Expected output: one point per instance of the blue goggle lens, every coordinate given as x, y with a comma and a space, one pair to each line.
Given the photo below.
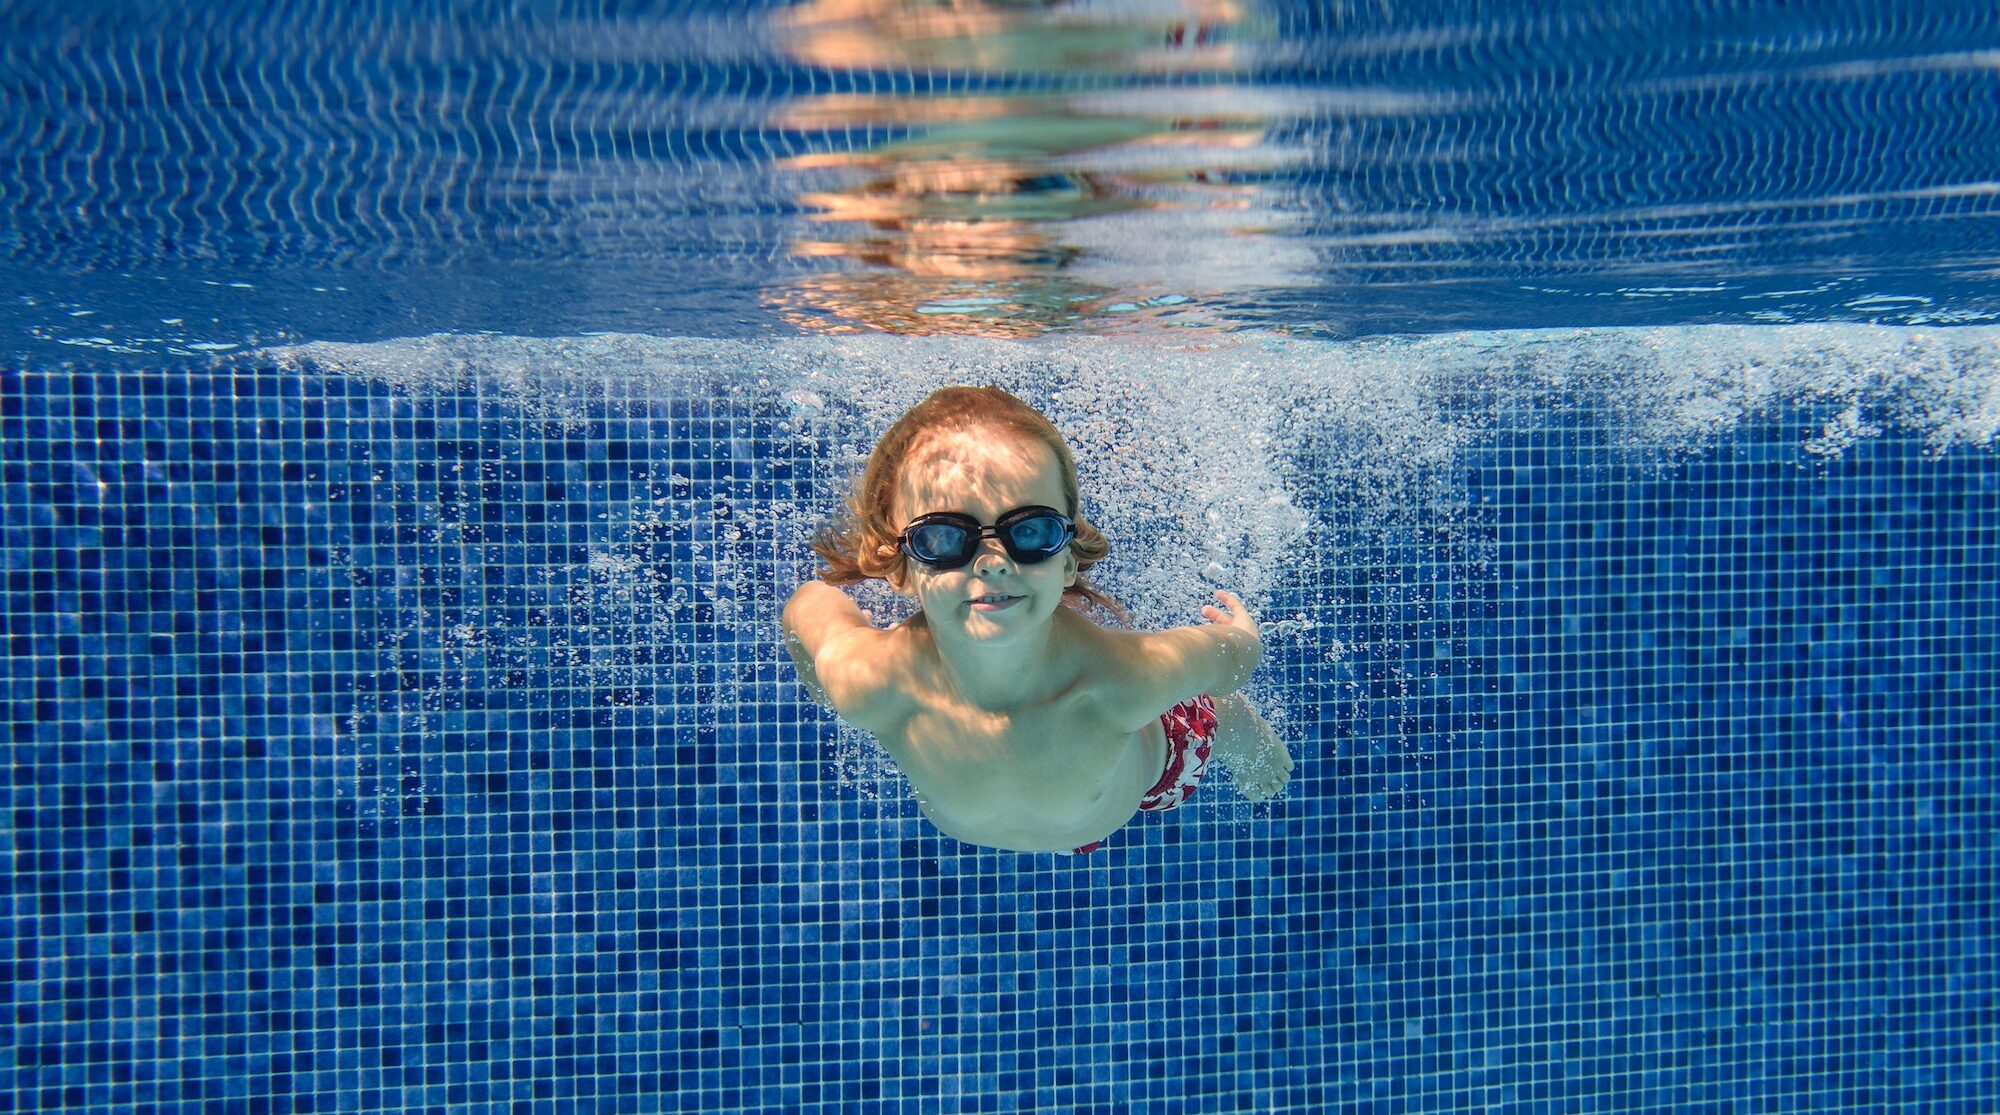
948, 540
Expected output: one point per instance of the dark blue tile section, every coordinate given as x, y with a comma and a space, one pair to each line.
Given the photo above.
369, 752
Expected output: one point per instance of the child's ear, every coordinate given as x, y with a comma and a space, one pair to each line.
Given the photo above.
1069, 569
898, 575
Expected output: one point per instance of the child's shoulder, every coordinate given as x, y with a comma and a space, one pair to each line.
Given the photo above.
868, 674
1134, 676
1084, 629
1108, 652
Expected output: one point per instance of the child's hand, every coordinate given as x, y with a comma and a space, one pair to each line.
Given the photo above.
1234, 616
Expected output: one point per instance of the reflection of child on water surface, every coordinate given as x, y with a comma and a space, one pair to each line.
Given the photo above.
1021, 723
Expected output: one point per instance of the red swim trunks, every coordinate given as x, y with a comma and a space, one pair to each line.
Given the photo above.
1190, 729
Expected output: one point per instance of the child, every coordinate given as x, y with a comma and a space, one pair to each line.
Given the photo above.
1021, 723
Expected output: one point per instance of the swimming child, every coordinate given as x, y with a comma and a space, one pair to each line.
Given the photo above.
1022, 723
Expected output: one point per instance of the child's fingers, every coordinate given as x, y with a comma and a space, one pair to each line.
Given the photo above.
1231, 612
1224, 614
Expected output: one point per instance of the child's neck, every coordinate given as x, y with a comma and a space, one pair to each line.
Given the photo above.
996, 677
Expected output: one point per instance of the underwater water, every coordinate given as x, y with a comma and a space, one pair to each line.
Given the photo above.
413, 416
402, 725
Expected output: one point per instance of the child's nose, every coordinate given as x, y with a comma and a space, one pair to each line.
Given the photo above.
992, 555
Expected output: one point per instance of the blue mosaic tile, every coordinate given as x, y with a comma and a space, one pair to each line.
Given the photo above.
374, 752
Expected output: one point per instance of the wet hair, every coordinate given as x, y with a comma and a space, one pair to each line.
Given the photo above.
861, 544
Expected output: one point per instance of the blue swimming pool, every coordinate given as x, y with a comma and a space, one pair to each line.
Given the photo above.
412, 417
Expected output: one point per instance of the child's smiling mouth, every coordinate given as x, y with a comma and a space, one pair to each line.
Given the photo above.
994, 602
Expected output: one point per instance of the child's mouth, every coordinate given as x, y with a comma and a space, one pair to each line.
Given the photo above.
994, 602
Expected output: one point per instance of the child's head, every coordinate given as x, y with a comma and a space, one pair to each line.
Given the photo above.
863, 545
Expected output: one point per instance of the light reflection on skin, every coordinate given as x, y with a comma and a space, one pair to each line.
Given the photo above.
984, 473
969, 219
1028, 727
975, 473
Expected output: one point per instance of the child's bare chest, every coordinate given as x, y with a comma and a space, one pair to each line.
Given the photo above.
1042, 768
1057, 733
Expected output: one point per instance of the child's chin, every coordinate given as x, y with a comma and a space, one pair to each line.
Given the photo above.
1004, 621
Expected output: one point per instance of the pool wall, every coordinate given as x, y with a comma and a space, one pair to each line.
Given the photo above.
373, 748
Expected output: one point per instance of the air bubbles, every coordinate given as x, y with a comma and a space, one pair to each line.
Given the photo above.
1254, 463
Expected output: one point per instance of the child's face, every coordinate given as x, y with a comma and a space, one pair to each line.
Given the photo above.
984, 473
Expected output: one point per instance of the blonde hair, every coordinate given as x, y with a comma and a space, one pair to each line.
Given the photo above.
861, 545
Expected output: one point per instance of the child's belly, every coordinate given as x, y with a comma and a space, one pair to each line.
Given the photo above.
1036, 794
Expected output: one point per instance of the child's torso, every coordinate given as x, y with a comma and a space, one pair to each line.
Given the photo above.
1044, 775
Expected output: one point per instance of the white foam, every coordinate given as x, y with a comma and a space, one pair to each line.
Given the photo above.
1202, 456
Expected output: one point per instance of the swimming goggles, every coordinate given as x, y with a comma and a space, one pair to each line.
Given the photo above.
946, 539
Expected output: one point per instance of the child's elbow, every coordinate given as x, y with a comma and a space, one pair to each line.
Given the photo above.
793, 617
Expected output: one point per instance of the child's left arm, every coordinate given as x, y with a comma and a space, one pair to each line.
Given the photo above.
1160, 669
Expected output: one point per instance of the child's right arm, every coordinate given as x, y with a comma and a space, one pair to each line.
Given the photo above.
840, 655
